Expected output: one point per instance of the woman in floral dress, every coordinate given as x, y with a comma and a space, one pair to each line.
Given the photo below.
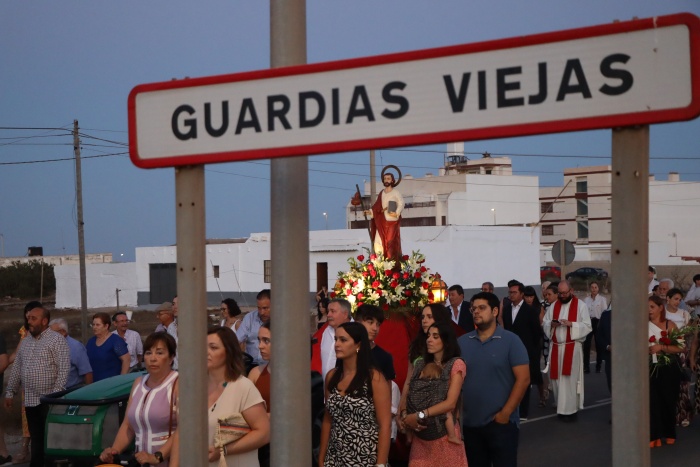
356, 427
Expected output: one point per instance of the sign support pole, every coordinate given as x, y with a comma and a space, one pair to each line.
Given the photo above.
290, 387
630, 259
192, 319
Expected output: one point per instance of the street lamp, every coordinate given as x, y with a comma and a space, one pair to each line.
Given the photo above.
325, 214
493, 210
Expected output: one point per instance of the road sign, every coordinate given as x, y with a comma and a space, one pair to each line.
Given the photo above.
614, 75
563, 252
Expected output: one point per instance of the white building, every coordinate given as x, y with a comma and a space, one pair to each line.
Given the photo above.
465, 192
580, 211
239, 268
58, 260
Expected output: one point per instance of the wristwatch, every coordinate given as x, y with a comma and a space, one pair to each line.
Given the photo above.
159, 456
422, 416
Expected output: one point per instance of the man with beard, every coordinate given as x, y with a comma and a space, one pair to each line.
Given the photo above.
386, 219
567, 322
41, 367
497, 377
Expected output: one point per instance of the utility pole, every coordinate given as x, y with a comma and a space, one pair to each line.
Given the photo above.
81, 233
372, 176
289, 180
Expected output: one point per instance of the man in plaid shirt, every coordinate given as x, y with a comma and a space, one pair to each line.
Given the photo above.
41, 366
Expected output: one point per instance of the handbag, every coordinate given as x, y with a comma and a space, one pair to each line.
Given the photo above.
228, 430
424, 393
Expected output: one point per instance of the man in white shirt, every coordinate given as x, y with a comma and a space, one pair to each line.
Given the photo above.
596, 304
132, 338
651, 275
338, 313
459, 308
693, 297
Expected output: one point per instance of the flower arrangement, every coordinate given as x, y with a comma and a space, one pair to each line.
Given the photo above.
674, 337
374, 280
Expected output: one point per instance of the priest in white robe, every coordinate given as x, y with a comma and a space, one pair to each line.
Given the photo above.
567, 323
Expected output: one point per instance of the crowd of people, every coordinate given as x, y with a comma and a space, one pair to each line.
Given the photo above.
470, 368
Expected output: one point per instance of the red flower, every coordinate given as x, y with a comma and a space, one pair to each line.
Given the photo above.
359, 304
341, 282
652, 339
373, 273
365, 274
333, 294
361, 258
360, 296
372, 256
404, 257
396, 275
417, 275
354, 284
379, 292
375, 284
423, 269
403, 302
408, 293
664, 333
425, 285
406, 275
421, 261
370, 266
385, 307
665, 341
393, 284
387, 272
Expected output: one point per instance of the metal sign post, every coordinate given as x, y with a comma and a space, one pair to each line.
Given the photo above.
192, 318
630, 259
291, 386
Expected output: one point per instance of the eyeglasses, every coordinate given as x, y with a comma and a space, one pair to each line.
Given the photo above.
568, 292
479, 308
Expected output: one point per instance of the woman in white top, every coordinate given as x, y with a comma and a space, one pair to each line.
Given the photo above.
684, 410
230, 314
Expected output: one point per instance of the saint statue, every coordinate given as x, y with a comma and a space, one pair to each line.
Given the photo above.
385, 217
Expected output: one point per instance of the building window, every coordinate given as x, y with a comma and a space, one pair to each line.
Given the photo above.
581, 185
216, 272
582, 207
546, 207
267, 271
547, 230
582, 229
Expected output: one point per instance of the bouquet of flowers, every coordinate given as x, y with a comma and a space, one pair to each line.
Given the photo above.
374, 280
674, 337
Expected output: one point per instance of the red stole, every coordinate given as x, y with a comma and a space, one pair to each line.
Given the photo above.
568, 345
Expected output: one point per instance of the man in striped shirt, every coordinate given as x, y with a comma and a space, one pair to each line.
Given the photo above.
41, 367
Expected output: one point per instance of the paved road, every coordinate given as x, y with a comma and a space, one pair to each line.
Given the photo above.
546, 441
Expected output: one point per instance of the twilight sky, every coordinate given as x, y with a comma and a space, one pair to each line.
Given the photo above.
67, 60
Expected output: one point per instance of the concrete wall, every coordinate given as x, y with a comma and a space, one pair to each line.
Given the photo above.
461, 254
102, 282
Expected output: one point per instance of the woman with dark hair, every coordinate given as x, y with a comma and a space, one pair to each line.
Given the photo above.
152, 407
664, 380
536, 376
432, 313
357, 424
229, 393
434, 403
230, 314
107, 352
322, 312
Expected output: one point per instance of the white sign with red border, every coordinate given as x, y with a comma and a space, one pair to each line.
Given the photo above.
632, 73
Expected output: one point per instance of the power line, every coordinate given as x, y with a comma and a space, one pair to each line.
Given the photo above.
63, 159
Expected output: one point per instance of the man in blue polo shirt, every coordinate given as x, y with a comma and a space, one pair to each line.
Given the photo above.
498, 374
